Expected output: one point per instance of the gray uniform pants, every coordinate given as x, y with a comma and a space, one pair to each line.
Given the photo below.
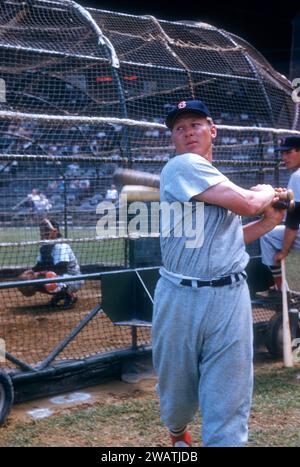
202, 353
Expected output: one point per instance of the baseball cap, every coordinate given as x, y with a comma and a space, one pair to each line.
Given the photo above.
183, 107
47, 225
290, 142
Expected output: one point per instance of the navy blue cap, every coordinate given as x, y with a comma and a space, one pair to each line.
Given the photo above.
290, 142
183, 107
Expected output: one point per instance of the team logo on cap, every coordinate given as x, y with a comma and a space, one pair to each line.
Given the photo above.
181, 105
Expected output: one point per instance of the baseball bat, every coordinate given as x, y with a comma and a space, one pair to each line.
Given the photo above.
287, 341
286, 200
139, 193
136, 177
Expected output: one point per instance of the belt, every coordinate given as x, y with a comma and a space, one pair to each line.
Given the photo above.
227, 280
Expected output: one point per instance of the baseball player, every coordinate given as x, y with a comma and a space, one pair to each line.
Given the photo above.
275, 245
202, 321
55, 259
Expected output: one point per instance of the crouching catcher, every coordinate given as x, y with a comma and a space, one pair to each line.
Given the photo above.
54, 259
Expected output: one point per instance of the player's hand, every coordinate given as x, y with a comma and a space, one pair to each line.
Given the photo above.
263, 187
275, 216
280, 190
278, 198
29, 274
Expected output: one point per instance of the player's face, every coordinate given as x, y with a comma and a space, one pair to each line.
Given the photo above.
291, 159
47, 234
193, 133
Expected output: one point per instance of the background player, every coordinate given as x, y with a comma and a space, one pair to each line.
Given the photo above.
275, 245
54, 259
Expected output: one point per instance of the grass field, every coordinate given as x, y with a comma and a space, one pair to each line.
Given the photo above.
23, 234
107, 252
130, 416
293, 270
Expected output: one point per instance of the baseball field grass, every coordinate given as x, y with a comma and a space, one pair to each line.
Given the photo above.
106, 252
127, 415
293, 270
94, 251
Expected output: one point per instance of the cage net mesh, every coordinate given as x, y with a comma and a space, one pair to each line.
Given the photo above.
83, 92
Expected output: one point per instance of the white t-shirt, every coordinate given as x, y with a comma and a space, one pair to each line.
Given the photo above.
294, 184
111, 195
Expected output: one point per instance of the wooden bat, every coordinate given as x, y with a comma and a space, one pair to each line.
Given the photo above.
139, 193
287, 341
286, 200
136, 177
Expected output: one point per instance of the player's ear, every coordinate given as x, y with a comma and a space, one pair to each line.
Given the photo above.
213, 131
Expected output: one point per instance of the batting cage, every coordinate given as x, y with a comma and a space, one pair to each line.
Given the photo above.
83, 96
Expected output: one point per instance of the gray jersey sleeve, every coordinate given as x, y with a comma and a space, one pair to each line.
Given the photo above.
188, 175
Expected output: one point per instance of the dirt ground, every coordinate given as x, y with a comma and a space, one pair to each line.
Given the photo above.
116, 414
106, 393
31, 330
110, 430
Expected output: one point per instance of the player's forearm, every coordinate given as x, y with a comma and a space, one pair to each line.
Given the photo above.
239, 200
288, 239
252, 203
259, 200
257, 229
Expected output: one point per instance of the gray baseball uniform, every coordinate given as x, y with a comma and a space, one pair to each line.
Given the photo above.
202, 336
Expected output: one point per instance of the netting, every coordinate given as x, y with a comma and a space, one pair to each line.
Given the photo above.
84, 92
32, 331
61, 59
